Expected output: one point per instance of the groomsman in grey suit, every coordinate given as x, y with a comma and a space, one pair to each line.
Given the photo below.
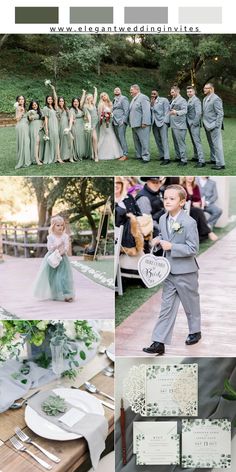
194, 115
140, 122
120, 119
160, 108
178, 124
213, 123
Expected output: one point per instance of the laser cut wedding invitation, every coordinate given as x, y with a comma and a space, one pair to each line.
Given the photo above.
171, 390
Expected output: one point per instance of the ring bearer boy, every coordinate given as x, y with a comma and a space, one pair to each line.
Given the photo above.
179, 239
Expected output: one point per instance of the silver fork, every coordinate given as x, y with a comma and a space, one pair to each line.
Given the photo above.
21, 435
19, 446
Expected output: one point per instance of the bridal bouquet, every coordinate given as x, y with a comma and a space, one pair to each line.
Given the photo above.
105, 117
78, 338
32, 115
47, 82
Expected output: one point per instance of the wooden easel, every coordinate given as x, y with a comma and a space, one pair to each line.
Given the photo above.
102, 234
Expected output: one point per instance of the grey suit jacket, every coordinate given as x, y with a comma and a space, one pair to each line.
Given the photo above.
194, 112
120, 110
185, 243
209, 191
212, 112
180, 105
160, 111
139, 111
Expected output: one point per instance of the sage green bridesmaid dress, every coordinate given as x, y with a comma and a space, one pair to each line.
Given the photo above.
65, 140
22, 143
88, 134
35, 132
78, 133
51, 146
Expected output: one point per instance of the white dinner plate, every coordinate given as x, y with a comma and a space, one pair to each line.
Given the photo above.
111, 352
48, 430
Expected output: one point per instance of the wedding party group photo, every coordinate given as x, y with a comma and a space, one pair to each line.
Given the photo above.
175, 242
56, 247
114, 104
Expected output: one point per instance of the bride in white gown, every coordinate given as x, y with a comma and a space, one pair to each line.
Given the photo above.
108, 145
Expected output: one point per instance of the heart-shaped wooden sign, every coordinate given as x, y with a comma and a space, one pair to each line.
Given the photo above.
153, 270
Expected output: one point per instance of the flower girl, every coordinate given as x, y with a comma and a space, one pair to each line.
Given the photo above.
55, 279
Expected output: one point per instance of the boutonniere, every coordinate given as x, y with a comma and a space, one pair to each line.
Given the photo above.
177, 228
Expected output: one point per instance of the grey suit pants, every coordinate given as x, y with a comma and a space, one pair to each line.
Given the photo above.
161, 138
214, 138
141, 138
215, 212
194, 132
178, 288
120, 132
179, 136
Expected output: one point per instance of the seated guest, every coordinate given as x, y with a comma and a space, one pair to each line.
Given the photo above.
196, 211
209, 196
126, 212
149, 200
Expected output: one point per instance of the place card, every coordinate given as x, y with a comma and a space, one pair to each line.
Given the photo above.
72, 417
171, 390
206, 443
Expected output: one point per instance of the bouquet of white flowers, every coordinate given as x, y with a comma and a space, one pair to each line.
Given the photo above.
47, 82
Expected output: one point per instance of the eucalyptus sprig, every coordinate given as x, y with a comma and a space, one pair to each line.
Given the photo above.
230, 391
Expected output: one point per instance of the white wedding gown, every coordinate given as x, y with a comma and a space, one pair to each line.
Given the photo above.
108, 145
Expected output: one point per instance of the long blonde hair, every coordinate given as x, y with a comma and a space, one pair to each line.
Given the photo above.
184, 183
102, 102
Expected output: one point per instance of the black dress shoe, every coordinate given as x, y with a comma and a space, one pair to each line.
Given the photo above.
155, 348
200, 164
160, 158
193, 338
181, 163
210, 162
165, 162
176, 159
194, 159
217, 167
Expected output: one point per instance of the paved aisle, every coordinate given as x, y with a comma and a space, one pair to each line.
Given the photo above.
93, 301
218, 306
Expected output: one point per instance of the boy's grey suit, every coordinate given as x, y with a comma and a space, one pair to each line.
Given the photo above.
140, 114
160, 120
213, 122
178, 126
194, 115
120, 120
181, 285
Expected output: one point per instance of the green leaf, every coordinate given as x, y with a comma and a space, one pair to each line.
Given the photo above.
228, 396
82, 355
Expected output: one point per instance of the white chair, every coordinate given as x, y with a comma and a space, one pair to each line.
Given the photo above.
117, 271
106, 464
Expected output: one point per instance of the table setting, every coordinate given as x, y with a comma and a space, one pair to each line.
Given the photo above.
52, 418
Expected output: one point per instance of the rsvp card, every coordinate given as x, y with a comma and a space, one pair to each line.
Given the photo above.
171, 390
157, 449
152, 428
206, 443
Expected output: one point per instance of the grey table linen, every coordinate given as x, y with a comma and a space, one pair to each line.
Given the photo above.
12, 389
93, 427
212, 373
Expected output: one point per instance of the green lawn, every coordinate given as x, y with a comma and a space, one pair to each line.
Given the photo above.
135, 295
130, 167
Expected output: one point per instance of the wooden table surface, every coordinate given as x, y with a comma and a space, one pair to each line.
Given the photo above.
72, 453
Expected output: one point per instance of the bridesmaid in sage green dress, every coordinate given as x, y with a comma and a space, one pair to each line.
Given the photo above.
77, 128
65, 136
22, 134
35, 131
51, 148
90, 111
